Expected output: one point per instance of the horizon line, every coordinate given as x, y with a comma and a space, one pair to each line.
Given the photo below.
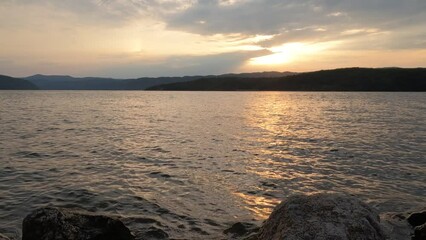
202, 75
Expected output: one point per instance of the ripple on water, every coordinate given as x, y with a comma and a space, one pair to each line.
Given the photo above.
189, 165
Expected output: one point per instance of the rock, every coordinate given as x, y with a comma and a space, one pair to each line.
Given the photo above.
241, 229
322, 216
61, 224
155, 233
417, 219
420, 232
396, 226
405, 225
3, 237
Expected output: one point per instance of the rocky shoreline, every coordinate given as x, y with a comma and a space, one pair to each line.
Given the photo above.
318, 216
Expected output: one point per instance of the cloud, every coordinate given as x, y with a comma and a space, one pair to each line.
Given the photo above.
274, 15
297, 19
185, 35
302, 20
179, 65
107, 12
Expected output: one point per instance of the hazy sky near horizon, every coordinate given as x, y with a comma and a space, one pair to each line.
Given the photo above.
135, 38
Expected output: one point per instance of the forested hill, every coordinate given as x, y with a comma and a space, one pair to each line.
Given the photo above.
58, 82
347, 79
10, 83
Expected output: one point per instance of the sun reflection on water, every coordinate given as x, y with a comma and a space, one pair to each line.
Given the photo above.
273, 115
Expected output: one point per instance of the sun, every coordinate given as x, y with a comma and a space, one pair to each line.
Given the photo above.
280, 55
292, 52
272, 59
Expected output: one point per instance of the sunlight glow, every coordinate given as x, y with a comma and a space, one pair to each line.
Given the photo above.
360, 30
228, 3
281, 54
272, 59
290, 52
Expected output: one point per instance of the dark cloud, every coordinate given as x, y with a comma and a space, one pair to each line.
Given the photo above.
245, 16
275, 15
290, 20
181, 65
301, 20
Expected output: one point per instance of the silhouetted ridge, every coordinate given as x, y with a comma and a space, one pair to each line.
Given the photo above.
10, 83
347, 79
58, 82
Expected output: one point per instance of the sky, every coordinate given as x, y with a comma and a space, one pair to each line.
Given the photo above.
136, 38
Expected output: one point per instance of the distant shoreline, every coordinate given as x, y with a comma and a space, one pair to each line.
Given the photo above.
336, 80
223, 91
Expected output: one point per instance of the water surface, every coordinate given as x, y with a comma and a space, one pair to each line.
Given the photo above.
193, 163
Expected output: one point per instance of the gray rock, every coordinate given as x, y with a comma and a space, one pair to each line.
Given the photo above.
61, 224
154, 233
396, 226
322, 217
420, 232
405, 225
241, 229
417, 218
3, 237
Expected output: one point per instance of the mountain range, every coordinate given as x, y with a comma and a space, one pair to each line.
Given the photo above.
10, 83
57, 82
347, 79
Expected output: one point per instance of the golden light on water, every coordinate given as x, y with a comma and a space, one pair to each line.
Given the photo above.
261, 207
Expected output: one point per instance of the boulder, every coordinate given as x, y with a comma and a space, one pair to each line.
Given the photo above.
405, 225
241, 229
154, 233
420, 232
417, 218
418, 221
396, 226
61, 224
322, 216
